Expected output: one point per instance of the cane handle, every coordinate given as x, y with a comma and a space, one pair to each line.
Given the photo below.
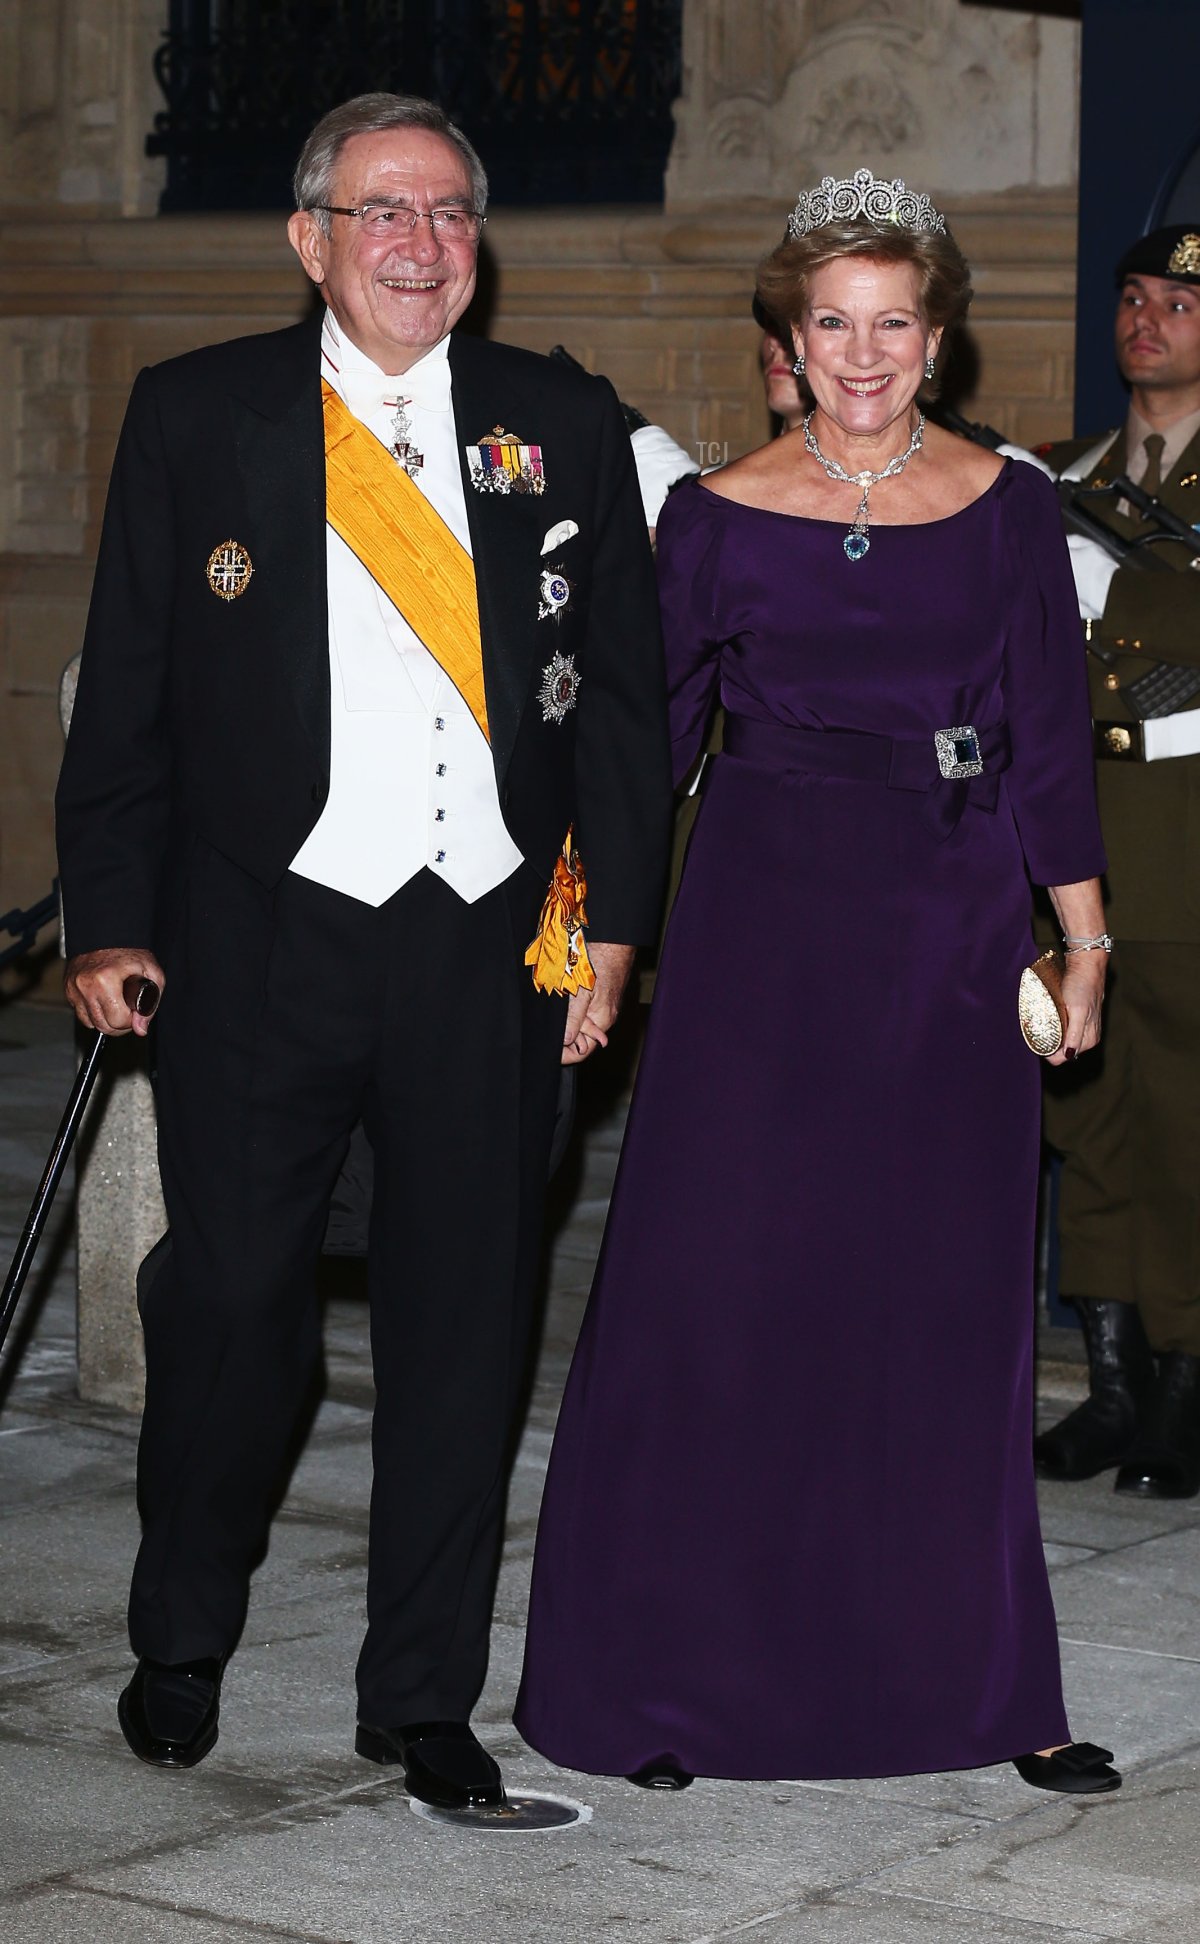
141, 996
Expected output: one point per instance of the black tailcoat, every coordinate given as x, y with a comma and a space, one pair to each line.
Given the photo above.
200, 717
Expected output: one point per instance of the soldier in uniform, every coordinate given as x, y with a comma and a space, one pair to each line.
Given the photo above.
1128, 1126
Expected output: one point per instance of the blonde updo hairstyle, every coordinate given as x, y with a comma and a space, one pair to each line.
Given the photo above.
785, 277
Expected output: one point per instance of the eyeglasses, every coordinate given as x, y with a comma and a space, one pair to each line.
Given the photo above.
380, 220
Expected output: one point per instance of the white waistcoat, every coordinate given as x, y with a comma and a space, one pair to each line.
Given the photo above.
411, 778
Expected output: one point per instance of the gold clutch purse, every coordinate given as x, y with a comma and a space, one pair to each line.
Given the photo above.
1040, 1005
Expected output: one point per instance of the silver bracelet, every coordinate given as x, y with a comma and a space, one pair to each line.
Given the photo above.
1102, 943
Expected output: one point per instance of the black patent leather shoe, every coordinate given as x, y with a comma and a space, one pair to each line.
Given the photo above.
443, 1763
1165, 1460
663, 1772
168, 1713
1079, 1769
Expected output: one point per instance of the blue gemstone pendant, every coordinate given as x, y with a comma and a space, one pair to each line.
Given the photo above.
856, 544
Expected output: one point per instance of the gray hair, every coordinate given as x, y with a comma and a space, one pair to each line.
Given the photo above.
371, 114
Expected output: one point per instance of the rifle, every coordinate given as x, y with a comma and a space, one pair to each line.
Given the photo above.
1077, 516
1169, 525
1166, 686
25, 925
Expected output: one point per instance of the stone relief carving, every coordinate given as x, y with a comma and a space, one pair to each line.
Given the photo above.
735, 145
975, 99
867, 113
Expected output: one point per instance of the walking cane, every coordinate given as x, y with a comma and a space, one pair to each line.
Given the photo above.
141, 996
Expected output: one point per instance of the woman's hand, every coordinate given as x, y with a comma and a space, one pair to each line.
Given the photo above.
1080, 910
1083, 996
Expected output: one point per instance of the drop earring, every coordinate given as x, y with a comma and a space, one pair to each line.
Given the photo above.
798, 367
930, 371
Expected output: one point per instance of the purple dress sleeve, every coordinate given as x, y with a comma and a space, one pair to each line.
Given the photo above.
688, 547
1052, 781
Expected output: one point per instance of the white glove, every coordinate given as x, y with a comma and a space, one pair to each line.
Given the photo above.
1093, 569
1030, 459
660, 462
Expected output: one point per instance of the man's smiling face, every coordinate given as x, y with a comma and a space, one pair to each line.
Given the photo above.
396, 296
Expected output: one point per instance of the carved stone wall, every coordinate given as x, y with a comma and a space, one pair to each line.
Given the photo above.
77, 96
960, 99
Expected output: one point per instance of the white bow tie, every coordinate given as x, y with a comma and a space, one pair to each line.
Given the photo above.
426, 386
367, 390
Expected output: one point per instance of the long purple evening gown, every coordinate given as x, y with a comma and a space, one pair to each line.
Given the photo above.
789, 1528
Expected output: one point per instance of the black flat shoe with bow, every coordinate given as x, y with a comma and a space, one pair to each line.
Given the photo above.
1079, 1769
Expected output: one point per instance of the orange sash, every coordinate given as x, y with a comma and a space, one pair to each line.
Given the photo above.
407, 548
405, 545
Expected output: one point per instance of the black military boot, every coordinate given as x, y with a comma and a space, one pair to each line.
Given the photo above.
1100, 1431
1165, 1460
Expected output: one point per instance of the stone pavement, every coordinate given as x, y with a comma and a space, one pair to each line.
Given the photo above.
283, 1834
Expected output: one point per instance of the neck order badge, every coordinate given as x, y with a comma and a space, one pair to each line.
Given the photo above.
406, 547
403, 450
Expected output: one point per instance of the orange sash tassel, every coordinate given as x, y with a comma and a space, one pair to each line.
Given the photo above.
559, 954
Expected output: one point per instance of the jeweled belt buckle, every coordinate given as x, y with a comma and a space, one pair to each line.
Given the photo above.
958, 752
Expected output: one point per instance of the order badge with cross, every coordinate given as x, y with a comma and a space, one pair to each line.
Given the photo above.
229, 570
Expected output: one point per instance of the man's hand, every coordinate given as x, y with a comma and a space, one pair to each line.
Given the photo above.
93, 983
591, 1015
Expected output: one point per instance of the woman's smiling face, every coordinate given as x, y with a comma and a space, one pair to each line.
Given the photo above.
865, 342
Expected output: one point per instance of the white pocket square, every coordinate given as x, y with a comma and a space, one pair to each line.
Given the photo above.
565, 530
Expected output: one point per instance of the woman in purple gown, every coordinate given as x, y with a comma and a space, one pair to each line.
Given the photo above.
789, 1528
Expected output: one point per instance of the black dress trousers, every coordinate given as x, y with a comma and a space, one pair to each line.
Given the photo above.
288, 1015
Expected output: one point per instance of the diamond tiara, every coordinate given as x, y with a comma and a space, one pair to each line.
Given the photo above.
863, 194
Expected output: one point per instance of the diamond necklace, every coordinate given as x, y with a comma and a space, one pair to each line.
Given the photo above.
858, 541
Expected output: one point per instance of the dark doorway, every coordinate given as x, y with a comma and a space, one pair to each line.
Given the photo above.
566, 100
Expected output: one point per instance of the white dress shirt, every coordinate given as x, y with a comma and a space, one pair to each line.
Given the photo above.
411, 779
